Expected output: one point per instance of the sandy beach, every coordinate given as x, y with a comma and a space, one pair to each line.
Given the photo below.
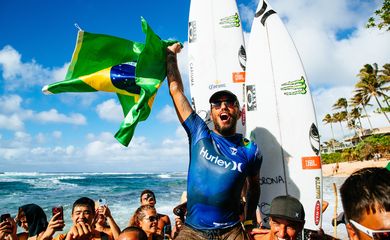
347, 168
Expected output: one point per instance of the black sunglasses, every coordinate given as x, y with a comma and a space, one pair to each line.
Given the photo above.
228, 103
152, 218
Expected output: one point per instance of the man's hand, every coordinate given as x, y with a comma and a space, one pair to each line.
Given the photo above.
80, 231
5, 229
54, 225
103, 210
175, 48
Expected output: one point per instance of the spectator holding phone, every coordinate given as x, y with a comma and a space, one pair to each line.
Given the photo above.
7, 228
33, 219
83, 219
105, 223
147, 197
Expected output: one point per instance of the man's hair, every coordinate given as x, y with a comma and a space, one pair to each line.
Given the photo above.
145, 192
366, 190
84, 201
141, 234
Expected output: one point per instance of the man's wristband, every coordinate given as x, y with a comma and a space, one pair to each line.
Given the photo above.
248, 223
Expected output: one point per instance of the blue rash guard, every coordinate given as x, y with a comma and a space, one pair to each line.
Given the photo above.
217, 172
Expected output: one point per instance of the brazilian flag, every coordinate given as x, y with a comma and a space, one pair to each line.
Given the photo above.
134, 71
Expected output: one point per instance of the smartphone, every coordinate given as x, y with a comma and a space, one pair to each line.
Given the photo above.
57, 209
4, 217
102, 202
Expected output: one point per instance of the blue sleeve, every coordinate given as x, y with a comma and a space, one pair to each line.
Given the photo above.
257, 160
195, 127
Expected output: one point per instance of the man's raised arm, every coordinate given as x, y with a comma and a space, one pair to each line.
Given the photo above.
175, 84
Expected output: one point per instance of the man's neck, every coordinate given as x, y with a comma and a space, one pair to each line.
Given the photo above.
230, 134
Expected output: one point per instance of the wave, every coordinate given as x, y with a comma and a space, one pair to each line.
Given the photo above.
51, 183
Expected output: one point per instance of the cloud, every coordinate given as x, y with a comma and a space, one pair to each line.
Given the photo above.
11, 122
167, 114
110, 110
57, 134
54, 116
13, 116
167, 155
18, 75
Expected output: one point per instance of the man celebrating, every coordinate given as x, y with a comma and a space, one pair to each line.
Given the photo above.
287, 218
221, 162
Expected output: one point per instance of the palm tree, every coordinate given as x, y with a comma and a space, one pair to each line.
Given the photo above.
385, 77
355, 114
329, 119
340, 117
341, 103
371, 85
357, 100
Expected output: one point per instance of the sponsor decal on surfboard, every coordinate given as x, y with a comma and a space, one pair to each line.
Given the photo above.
242, 57
238, 77
216, 86
230, 21
311, 162
318, 188
263, 14
314, 139
192, 73
295, 87
192, 32
317, 213
251, 97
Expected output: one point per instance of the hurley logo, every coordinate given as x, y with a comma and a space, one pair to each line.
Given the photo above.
220, 162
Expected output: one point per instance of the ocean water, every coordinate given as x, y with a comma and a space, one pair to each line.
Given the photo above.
121, 190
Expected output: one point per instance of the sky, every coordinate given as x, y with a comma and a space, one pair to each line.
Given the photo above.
73, 132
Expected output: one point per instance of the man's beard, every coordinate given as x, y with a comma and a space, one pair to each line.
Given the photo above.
229, 129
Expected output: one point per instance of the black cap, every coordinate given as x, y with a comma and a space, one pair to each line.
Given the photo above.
287, 207
219, 94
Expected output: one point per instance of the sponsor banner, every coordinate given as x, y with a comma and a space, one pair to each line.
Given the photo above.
313, 162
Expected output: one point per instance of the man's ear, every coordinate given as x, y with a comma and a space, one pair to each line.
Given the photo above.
351, 232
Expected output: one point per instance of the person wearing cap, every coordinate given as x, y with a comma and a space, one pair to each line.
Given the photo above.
287, 218
221, 162
365, 196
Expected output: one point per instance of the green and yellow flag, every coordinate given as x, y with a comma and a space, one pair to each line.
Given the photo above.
133, 70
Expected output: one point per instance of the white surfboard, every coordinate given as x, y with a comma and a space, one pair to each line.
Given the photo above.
216, 54
280, 117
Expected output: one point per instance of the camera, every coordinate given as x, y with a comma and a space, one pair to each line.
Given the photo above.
4, 217
181, 210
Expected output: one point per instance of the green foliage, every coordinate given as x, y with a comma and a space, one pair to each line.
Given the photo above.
382, 19
331, 158
373, 144
365, 150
